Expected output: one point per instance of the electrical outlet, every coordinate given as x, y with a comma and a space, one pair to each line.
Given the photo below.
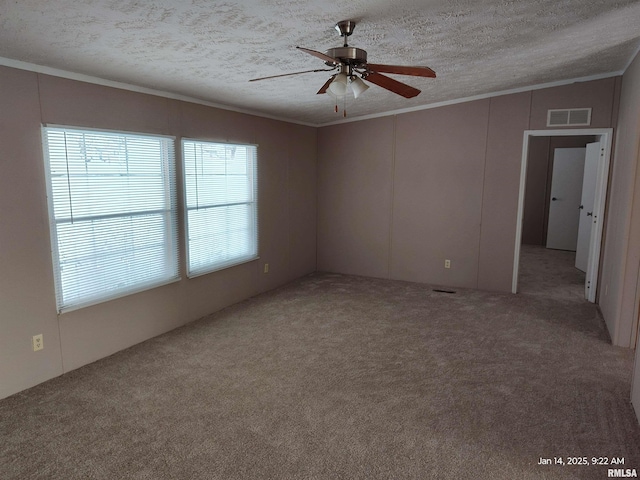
38, 343
266, 268
447, 264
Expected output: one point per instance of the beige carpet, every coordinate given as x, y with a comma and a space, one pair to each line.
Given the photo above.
341, 377
550, 273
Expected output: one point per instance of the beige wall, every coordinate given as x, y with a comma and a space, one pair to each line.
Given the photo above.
534, 216
621, 304
287, 193
508, 117
356, 183
621, 257
438, 194
404, 193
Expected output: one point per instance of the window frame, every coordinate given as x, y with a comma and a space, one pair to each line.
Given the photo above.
255, 203
170, 224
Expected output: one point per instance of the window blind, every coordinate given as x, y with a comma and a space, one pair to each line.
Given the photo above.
113, 213
221, 205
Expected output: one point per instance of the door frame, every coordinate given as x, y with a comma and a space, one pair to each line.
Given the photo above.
602, 181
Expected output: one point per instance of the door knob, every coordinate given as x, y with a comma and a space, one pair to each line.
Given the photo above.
581, 207
589, 214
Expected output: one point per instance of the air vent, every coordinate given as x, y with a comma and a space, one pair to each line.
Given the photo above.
575, 117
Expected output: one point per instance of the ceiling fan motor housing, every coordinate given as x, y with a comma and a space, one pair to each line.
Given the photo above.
355, 57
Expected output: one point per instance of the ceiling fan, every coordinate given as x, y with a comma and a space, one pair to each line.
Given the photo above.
353, 68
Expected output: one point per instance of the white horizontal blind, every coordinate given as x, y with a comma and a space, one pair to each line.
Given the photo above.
113, 213
221, 205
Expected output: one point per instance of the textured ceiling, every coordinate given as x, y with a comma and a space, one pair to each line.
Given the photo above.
209, 50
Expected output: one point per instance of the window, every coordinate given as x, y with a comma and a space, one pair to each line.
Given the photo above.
113, 213
221, 205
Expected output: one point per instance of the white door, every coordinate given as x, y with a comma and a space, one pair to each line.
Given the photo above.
566, 192
586, 205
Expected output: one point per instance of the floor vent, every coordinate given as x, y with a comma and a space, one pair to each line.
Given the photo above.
575, 117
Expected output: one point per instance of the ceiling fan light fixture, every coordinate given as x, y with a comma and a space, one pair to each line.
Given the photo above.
340, 85
358, 86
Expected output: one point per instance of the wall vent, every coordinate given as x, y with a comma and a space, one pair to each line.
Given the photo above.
575, 117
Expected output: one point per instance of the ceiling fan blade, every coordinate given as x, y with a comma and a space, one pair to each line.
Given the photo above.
402, 70
392, 85
320, 55
294, 73
324, 87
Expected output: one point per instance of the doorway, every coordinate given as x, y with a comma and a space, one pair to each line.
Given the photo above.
534, 139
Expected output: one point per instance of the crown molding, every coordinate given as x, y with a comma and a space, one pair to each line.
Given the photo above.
55, 72
475, 97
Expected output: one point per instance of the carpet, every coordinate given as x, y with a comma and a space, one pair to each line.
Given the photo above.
341, 377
